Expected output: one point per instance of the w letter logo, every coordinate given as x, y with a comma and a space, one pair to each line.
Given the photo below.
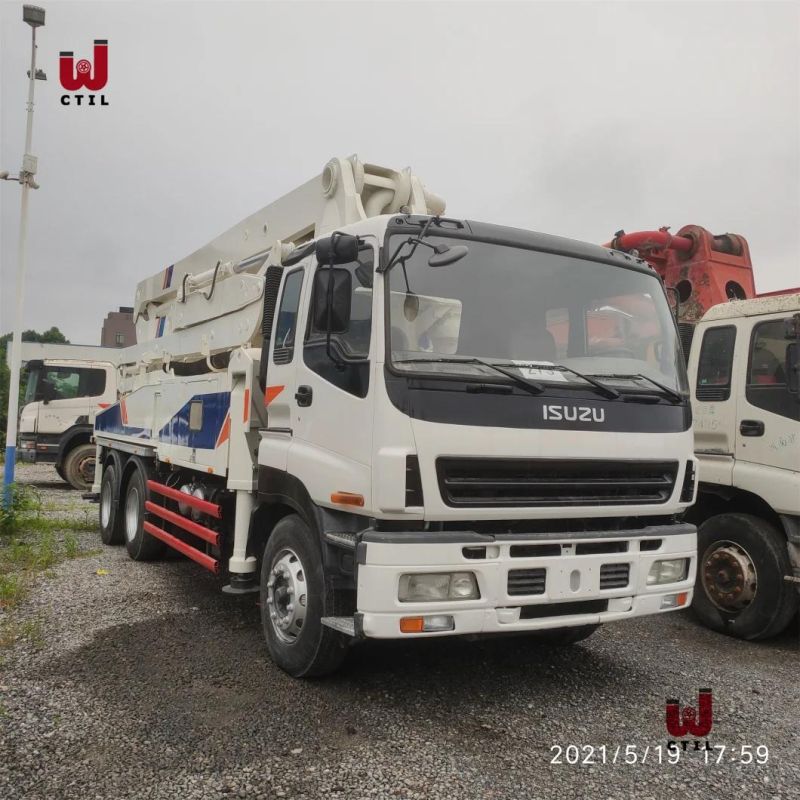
694, 722
81, 75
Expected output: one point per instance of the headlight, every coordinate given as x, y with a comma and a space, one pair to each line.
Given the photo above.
427, 587
671, 571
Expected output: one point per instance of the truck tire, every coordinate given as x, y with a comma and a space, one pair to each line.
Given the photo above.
140, 544
740, 590
79, 466
294, 597
111, 517
562, 637
61, 473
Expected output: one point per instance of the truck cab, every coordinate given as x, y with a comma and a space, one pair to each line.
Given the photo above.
66, 386
744, 377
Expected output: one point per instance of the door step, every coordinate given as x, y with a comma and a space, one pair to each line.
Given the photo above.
345, 625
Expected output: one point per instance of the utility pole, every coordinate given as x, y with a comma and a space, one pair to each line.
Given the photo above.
33, 16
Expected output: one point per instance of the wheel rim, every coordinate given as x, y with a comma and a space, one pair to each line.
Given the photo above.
105, 504
85, 469
287, 596
729, 577
132, 513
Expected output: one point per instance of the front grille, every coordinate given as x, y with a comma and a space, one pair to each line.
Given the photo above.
615, 576
526, 581
494, 482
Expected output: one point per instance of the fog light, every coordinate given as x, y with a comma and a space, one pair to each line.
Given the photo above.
670, 571
674, 600
430, 624
428, 587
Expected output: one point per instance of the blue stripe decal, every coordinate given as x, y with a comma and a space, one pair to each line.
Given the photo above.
160, 327
168, 277
110, 421
215, 407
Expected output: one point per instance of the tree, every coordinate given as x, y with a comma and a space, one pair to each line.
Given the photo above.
51, 336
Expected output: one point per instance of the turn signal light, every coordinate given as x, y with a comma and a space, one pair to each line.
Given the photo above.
347, 499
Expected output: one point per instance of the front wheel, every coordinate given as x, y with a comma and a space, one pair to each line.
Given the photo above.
740, 589
294, 598
79, 467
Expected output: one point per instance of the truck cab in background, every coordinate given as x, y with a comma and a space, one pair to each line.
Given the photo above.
66, 386
743, 369
742, 352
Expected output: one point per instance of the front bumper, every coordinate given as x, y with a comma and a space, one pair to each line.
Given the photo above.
571, 593
32, 450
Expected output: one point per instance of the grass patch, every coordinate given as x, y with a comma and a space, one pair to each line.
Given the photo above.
13, 631
31, 543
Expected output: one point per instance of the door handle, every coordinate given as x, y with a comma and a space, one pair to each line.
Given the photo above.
304, 395
751, 427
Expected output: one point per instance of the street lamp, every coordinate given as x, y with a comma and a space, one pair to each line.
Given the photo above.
33, 16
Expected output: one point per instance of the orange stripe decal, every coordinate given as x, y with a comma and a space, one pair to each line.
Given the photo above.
225, 432
271, 393
246, 409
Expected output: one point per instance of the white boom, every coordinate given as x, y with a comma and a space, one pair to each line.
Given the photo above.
193, 309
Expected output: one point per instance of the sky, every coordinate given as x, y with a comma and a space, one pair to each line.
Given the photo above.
576, 119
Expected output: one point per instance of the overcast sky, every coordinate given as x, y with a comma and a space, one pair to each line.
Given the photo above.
570, 118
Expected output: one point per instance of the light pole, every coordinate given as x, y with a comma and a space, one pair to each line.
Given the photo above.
33, 16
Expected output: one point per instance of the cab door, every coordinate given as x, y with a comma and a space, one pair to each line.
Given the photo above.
332, 447
284, 353
768, 425
67, 392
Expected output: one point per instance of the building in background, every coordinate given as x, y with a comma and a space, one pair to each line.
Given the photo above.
118, 328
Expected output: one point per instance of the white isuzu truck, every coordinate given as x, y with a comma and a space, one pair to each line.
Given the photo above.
744, 363
396, 424
67, 385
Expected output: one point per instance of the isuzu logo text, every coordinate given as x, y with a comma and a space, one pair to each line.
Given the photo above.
574, 413
84, 75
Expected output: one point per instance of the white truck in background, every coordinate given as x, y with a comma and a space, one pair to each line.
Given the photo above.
394, 424
743, 366
66, 386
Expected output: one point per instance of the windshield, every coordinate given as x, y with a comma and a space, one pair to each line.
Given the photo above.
32, 383
540, 314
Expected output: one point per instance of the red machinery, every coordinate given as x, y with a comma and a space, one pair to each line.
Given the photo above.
702, 268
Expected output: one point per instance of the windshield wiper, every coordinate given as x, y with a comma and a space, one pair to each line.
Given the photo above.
671, 393
532, 386
606, 391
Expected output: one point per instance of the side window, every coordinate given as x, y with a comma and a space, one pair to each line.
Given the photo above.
93, 382
286, 326
66, 383
766, 371
716, 364
350, 346
60, 383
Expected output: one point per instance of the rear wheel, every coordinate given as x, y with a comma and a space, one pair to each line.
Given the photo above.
140, 544
294, 598
740, 589
61, 473
111, 518
79, 466
562, 637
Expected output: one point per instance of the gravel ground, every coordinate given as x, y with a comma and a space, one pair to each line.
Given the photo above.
149, 683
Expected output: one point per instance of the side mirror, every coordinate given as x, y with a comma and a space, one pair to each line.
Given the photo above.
333, 290
341, 249
444, 255
792, 367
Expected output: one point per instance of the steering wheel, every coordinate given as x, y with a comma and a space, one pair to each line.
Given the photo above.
621, 352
